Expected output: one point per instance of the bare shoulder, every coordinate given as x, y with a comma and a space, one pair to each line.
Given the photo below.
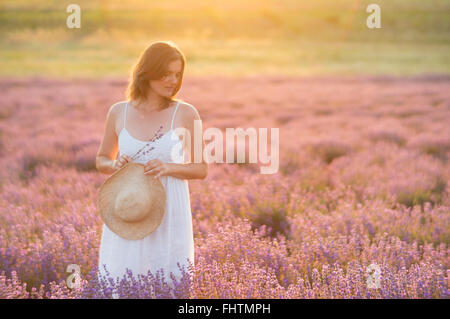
115, 112
117, 107
189, 112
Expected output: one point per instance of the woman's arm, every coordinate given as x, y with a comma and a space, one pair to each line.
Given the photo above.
191, 170
188, 170
104, 165
108, 149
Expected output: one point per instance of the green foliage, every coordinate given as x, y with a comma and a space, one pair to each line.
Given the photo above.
233, 38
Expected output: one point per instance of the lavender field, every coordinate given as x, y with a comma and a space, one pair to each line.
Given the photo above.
363, 179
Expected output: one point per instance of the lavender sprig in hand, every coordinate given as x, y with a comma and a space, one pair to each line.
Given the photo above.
155, 137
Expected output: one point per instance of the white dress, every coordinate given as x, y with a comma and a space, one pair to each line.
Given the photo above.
173, 240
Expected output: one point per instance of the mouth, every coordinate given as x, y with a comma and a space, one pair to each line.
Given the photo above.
170, 88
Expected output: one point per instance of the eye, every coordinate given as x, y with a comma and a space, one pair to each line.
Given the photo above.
178, 75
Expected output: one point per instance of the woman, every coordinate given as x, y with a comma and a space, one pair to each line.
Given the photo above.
151, 114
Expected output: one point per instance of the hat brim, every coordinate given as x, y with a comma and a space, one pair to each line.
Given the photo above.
108, 192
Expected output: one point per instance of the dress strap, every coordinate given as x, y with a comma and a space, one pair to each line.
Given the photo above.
173, 116
125, 114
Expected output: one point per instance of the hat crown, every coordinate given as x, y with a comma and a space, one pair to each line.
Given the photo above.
132, 204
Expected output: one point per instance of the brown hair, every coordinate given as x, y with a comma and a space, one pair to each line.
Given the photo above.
152, 65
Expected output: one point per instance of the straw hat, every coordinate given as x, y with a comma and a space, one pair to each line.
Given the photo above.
131, 203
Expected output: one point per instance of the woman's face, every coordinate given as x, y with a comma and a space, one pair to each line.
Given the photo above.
166, 85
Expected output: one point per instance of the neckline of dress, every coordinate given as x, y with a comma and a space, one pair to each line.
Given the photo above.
141, 141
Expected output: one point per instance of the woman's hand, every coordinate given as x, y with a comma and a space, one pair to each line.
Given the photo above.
157, 168
121, 161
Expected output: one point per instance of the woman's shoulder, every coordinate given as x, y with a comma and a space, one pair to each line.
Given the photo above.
117, 107
189, 111
116, 113
113, 111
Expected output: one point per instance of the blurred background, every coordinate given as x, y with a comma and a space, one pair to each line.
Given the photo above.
227, 37
363, 117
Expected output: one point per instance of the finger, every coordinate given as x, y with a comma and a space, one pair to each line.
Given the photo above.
152, 171
150, 166
150, 162
160, 173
